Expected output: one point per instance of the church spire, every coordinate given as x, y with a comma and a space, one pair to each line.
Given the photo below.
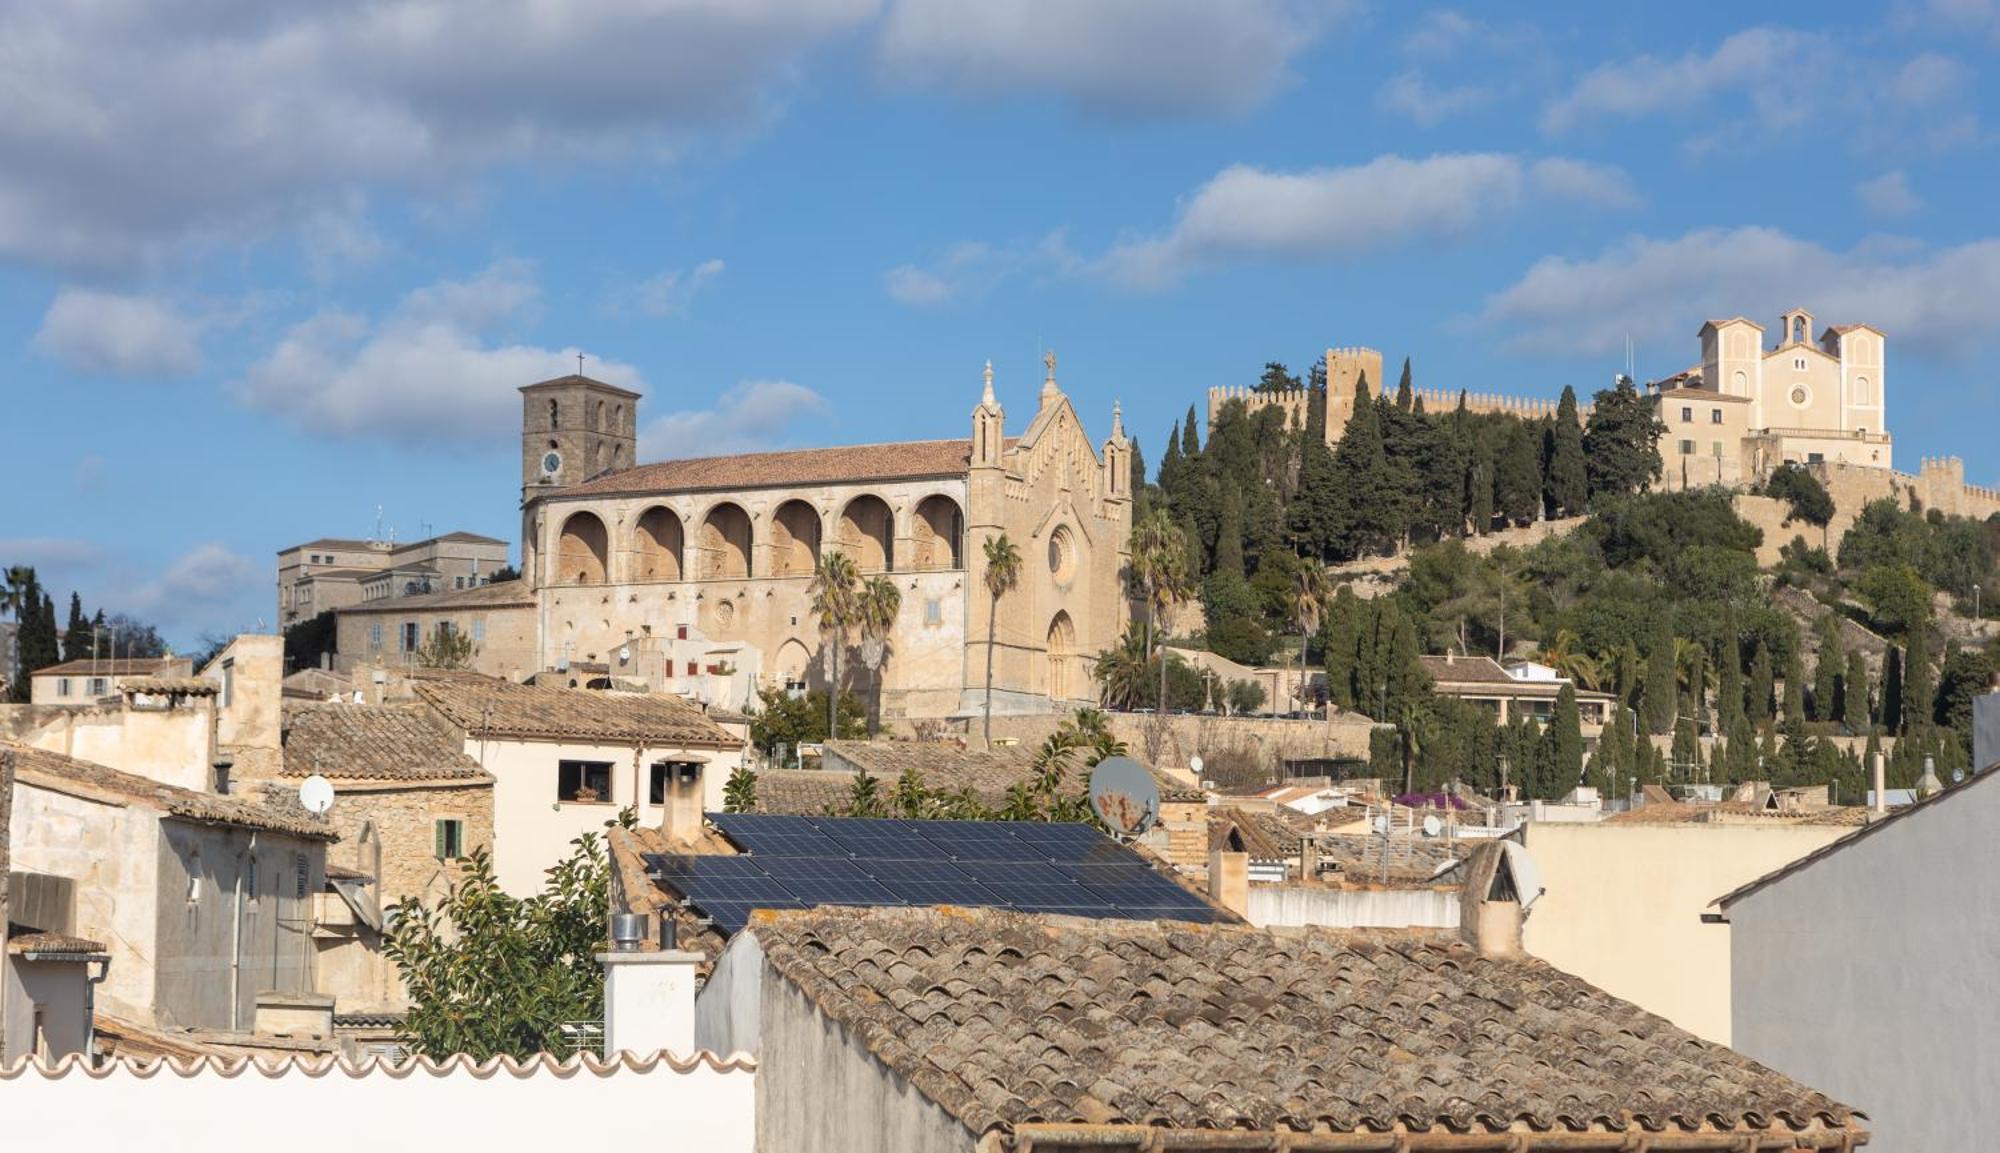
1117, 421
1049, 389
986, 399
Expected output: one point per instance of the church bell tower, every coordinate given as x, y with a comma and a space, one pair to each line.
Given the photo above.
574, 428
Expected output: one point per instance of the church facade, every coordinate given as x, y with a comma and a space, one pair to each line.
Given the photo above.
1749, 406
626, 562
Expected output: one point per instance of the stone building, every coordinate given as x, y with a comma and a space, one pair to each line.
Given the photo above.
331, 572
499, 620
1747, 408
88, 682
622, 558
409, 807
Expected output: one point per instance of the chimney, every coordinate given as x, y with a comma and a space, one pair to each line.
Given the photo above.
680, 810
1309, 857
1489, 904
648, 996
1881, 803
1229, 881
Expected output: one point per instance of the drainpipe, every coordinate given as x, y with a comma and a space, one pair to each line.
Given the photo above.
90, 1007
236, 944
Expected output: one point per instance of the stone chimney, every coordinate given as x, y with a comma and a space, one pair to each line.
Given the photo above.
680, 810
1229, 881
1489, 904
1881, 802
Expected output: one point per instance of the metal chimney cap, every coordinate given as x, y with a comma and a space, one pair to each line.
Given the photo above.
629, 931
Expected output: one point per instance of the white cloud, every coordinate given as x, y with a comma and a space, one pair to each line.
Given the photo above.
673, 291
1943, 300
1443, 34
753, 415
1780, 71
1338, 213
49, 554
127, 130
1409, 94
970, 269
1119, 56
435, 368
105, 332
1889, 194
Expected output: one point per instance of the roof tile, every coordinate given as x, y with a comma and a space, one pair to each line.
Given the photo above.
490, 707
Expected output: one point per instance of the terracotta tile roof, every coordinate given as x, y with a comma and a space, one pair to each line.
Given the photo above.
1264, 836
1008, 1021
1358, 858
1466, 670
53, 945
168, 686
388, 742
58, 773
504, 594
495, 708
805, 792
906, 460
123, 667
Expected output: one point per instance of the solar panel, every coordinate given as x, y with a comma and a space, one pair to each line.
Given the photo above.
791, 862
774, 835
878, 838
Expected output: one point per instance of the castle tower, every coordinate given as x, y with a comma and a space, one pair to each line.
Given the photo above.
574, 428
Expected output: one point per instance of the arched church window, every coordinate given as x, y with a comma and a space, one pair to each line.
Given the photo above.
554, 412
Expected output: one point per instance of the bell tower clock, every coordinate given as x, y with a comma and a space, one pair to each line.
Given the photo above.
574, 428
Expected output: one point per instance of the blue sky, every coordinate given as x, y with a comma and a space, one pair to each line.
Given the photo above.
263, 272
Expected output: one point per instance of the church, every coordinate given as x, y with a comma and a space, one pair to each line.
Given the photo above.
630, 564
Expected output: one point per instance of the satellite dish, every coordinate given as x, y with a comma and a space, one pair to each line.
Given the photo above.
1432, 826
1124, 796
1958, 776
316, 795
1381, 825
1194, 765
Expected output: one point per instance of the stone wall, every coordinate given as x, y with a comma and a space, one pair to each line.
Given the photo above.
1168, 742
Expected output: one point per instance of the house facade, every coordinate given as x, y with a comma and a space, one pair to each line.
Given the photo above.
332, 572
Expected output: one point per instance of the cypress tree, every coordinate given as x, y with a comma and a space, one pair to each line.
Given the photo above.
1569, 472
1825, 702
1367, 508
1918, 690
1339, 638
1404, 394
1686, 764
1517, 483
1661, 692
1614, 748
78, 638
1566, 733
1229, 533
1795, 688
1892, 693
1761, 686
1854, 693
1190, 435
1729, 670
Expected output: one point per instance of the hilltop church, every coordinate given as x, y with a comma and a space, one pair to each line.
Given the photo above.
626, 563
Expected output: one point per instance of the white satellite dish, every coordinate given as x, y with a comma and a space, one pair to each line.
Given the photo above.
1381, 824
1124, 796
1433, 826
1194, 765
316, 795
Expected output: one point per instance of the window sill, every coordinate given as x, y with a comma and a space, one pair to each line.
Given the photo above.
591, 804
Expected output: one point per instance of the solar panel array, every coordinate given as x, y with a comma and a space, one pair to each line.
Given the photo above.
794, 862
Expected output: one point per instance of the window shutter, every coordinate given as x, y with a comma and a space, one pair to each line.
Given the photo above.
437, 829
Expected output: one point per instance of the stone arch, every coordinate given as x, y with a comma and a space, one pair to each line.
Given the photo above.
793, 664
581, 553
867, 533
725, 542
657, 543
795, 532
1061, 657
939, 534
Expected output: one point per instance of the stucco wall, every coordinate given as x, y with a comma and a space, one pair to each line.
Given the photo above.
61, 990
202, 955
1623, 908
704, 1109
175, 746
727, 1013
532, 830
1869, 975
818, 1088
111, 852
1353, 908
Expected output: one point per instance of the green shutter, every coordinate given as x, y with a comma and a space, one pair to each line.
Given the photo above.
437, 829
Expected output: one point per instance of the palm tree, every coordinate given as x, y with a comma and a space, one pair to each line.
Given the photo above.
835, 593
1003, 572
1309, 595
14, 586
1120, 671
1158, 565
875, 609
1566, 655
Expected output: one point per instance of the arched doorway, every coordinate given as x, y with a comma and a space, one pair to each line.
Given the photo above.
794, 539
939, 534
1062, 658
580, 555
868, 533
656, 546
725, 543
794, 662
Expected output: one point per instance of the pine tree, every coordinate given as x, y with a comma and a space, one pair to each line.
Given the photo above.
1568, 471
1621, 444
1854, 694
1762, 684
1566, 733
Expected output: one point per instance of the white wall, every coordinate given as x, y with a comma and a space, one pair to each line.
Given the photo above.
1869, 974
705, 1106
1353, 908
1623, 905
111, 851
532, 830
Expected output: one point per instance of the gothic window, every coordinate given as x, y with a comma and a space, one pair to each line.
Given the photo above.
554, 414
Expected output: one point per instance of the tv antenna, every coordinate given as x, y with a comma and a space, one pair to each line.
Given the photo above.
1124, 796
